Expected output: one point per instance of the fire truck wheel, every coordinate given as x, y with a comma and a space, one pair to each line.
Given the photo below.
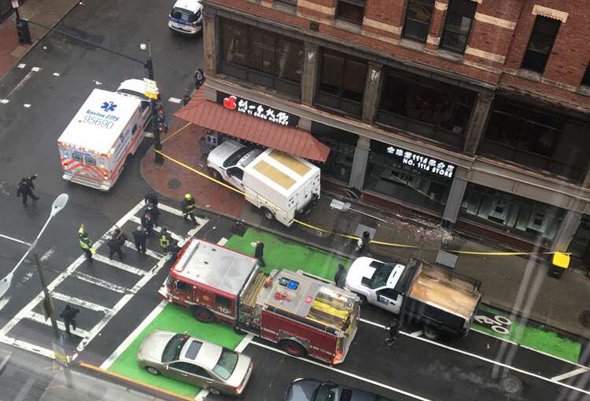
203, 315
268, 214
214, 391
292, 348
153, 371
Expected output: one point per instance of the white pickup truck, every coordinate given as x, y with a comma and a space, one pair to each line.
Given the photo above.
443, 301
282, 186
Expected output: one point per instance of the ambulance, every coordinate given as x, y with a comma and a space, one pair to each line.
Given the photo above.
105, 132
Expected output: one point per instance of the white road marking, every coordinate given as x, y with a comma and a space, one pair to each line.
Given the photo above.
27, 105
169, 209
567, 375
101, 283
4, 101
119, 265
46, 255
202, 395
96, 82
37, 317
323, 365
131, 337
36, 69
174, 100
14, 239
80, 302
553, 356
222, 241
56, 74
3, 302
20, 84
492, 336
22, 65
244, 343
417, 333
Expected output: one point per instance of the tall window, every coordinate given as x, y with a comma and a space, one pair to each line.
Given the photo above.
540, 44
342, 83
351, 10
457, 25
418, 16
586, 77
261, 57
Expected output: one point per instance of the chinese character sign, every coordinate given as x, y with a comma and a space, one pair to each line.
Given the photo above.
258, 110
423, 163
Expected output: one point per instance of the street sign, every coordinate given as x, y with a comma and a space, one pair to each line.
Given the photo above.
151, 89
15, 4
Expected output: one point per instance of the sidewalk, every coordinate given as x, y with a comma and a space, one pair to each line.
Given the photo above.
511, 283
47, 13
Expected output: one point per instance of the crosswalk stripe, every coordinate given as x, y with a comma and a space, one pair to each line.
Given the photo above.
101, 283
170, 209
119, 265
36, 317
80, 302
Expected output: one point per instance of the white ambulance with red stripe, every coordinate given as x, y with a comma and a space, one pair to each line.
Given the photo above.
105, 133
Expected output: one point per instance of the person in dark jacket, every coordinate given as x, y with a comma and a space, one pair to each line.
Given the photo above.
188, 207
69, 317
259, 253
154, 212
393, 330
199, 78
340, 276
147, 223
25, 189
140, 238
362, 247
116, 243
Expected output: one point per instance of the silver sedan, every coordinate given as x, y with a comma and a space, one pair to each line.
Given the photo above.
195, 361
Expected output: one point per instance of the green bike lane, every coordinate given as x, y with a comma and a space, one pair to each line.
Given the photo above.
285, 254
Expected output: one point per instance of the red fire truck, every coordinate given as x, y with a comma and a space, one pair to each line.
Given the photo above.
303, 314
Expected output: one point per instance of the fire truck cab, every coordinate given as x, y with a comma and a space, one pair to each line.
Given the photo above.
303, 314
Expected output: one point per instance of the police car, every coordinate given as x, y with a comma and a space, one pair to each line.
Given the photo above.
186, 17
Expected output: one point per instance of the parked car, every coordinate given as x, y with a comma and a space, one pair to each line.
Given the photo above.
314, 390
195, 361
186, 17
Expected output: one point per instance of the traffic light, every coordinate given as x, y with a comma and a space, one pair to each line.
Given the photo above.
23, 32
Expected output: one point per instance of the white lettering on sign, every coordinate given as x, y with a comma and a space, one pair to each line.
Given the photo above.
422, 162
261, 111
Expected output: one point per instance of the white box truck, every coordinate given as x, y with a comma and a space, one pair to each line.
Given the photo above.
282, 186
104, 133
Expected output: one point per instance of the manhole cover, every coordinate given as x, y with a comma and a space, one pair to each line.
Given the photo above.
585, 318
173, 184
511, 385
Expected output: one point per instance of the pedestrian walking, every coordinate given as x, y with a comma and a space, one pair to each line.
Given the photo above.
151, 198
154, 212
147, 223
25, 189
362, 246
85, 243
259, 253
188, 206
199, 78
393, 330
116, 243
340, 276
69, 317
140, 238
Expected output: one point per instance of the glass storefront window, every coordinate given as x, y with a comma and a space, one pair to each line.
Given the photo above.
342, 146
390, 177
426, 107
261, 57
527, 218
537, 138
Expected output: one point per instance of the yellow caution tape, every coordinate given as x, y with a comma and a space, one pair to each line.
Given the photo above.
354, 237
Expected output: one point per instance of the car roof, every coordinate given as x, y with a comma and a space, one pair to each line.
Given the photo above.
205, 356
190, 5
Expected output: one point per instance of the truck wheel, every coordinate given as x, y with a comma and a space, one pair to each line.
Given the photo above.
203, 315
363, 300
152, 371
268, 214
430, 332
213, 391
215, 174
292, 348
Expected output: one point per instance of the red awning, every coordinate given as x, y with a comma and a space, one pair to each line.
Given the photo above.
294, 141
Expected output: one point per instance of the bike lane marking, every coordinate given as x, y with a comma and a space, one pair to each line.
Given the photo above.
572, 373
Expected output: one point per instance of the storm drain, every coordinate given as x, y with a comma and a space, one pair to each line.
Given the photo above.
173, 184
584, 318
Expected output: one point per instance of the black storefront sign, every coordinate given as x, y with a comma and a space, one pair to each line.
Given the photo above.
422, 163
255, 109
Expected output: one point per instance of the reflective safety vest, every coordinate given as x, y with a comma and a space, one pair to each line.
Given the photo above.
164, 241
85, 242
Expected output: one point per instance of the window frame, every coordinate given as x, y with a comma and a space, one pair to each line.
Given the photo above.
528, 52
451, 10
407, 18
354, 3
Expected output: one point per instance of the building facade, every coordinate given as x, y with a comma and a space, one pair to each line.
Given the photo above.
475, 112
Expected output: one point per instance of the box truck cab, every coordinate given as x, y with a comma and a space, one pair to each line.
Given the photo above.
282, 186
186, 17
104, 133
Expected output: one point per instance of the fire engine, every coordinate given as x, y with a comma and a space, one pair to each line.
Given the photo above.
303, 314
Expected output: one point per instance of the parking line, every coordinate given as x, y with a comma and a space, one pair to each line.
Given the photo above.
567, 375
374, 382
14, 239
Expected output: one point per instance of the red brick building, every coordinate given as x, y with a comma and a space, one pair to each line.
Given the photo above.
475, 112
